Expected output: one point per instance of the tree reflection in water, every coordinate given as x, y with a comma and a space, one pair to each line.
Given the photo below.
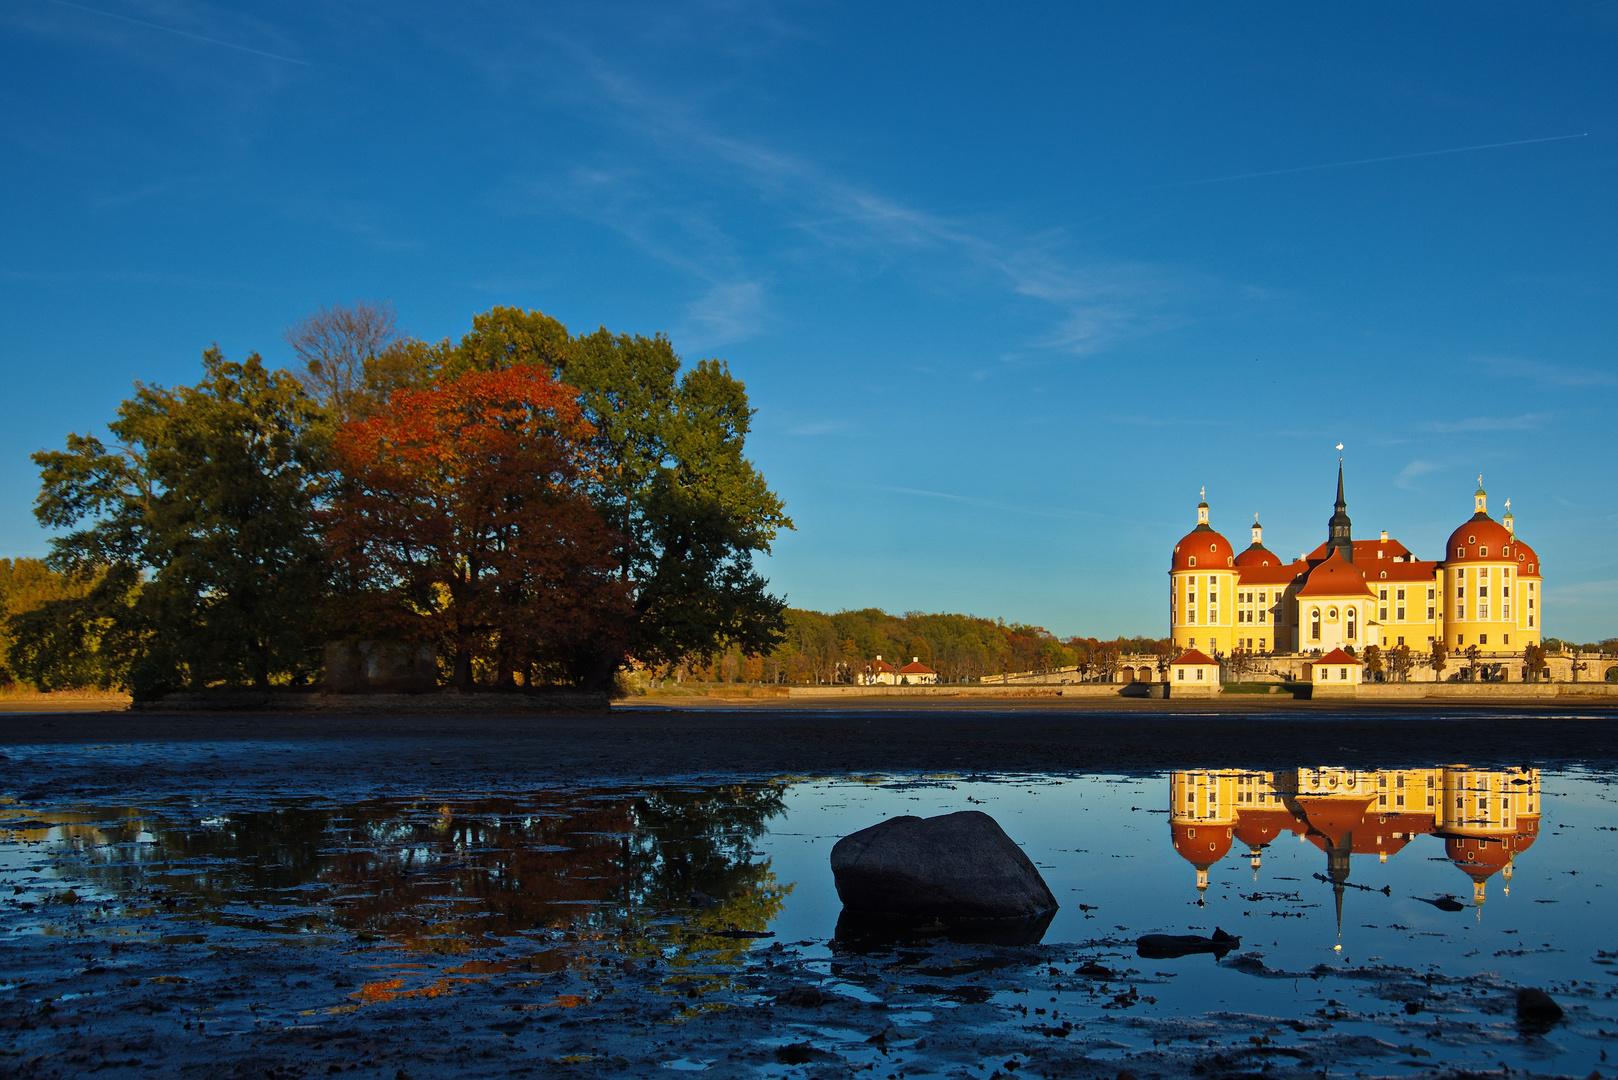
595, 877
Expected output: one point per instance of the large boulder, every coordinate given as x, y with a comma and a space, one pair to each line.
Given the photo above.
955, 868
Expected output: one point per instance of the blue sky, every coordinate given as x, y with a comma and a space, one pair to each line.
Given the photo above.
1007, 287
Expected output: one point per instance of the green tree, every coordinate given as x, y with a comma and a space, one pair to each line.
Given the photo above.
196, 531
53, 652
692, 510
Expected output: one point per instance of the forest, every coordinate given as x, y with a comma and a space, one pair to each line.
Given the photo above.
836, 648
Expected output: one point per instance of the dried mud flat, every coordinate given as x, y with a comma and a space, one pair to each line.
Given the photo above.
144, 986
562, 1008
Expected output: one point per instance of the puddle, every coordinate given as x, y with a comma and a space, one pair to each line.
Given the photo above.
1386, 919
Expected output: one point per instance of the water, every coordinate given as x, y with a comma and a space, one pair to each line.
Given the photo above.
1327, 879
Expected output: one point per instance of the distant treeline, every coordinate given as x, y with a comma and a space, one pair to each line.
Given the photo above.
837, 648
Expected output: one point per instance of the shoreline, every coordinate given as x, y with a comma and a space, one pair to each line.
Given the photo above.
81, 755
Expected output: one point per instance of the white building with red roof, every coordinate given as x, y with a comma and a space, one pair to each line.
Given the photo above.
917, 673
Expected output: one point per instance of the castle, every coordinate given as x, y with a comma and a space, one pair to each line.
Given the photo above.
1486, 591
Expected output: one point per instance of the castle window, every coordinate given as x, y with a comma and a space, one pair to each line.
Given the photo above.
1429, 594
1382, 595
1399, 595
1351, 613
1342, 674
1471, 539
1506, 638
1213, 547
1483, 552
1331, 614
1399, 614
1384, 577
1460, 553
1193, 560
1483, 639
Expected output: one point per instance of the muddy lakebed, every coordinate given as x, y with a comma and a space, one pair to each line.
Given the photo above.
420, 927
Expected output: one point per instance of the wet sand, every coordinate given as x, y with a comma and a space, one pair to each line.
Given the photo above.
720, 739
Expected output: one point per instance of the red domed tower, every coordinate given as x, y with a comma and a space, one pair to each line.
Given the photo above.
1487, 589
1202, 589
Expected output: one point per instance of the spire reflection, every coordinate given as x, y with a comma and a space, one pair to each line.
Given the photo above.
1484, 817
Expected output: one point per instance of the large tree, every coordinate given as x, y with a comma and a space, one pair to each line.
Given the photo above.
465, 515
691, 510
194, 532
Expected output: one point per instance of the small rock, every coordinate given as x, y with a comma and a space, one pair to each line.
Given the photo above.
807, 997
1536, 1007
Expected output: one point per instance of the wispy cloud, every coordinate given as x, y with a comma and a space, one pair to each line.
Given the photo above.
986, 504
1094, 300
727, 312
817, 428
1525, 422
1407, 475
181, 33
1555, 374
1378, 160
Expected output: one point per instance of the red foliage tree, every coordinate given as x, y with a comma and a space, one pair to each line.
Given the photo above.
464, 514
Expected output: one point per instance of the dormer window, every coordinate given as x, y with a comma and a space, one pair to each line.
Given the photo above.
1384, 575
1460, 553
1193, 560
1483, 553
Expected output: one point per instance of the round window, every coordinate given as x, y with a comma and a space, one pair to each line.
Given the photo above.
1213, 547
1331, 614
1471, 539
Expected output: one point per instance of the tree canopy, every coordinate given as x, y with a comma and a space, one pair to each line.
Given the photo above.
465, 515
195, 533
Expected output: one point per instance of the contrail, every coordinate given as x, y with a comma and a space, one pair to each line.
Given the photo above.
181, 33
1371, 161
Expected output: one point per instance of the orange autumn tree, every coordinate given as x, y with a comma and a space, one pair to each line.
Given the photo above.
464, 515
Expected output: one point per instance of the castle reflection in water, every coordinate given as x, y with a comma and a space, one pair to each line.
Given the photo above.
1485, 817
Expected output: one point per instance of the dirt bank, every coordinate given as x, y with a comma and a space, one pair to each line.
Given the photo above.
84, 754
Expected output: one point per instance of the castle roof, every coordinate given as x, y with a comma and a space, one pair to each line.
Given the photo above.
1387, 570
1197, 656
1337, 656
1273, 573
1479, 539
1257, 555
1203, 547
1365, 551
1201, 845
1336, 576
1527, 561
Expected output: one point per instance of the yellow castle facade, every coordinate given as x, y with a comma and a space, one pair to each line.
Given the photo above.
1485, 590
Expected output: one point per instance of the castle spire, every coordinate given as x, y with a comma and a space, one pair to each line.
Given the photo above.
1340, 530
1480, 501
1202, 511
